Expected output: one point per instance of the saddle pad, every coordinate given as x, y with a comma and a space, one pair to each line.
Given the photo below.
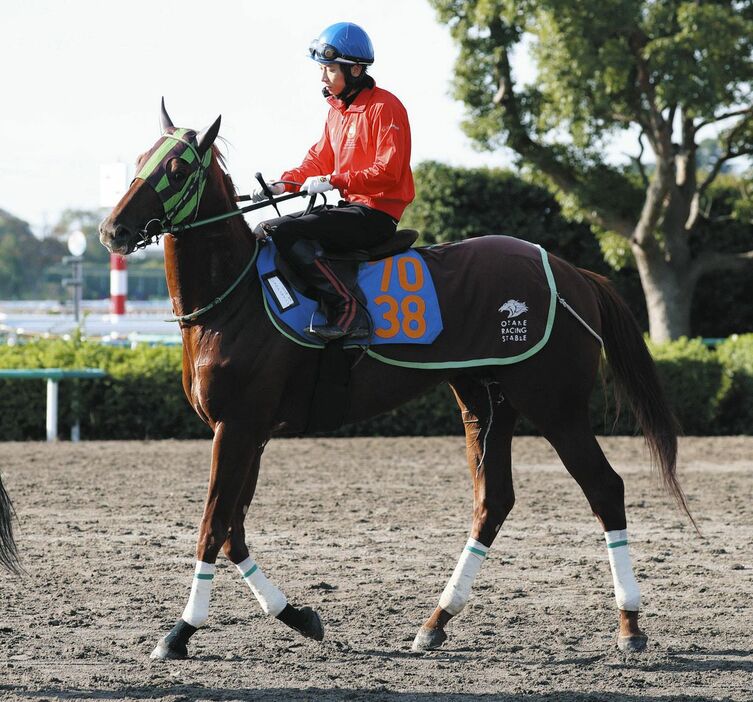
399, 291
498, 297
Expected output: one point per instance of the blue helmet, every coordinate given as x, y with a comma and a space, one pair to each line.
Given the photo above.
343, 42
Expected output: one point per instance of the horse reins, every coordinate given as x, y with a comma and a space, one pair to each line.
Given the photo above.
184, 204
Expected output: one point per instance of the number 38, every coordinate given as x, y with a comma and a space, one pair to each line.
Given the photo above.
412, 308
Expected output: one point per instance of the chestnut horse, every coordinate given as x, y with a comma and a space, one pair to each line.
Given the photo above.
248, 383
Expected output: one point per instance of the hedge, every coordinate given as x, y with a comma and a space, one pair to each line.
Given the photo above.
735, 413
142, 397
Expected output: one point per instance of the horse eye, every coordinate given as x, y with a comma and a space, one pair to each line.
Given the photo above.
179, 175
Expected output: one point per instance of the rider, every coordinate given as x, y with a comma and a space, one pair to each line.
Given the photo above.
364, 152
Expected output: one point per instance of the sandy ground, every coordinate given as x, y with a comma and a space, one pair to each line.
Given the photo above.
107, 534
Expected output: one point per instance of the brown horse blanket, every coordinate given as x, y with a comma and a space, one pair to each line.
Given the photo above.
497, 297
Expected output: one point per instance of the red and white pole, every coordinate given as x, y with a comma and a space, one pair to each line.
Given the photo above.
118, 286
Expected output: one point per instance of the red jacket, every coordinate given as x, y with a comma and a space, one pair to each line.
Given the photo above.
366, 148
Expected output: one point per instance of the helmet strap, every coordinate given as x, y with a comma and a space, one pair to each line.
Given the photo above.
354, 85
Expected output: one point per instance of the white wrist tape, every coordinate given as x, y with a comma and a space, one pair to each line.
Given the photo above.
271, 599
625, 586
196, 612
458, 589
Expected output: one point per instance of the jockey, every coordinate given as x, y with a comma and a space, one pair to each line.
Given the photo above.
364, 153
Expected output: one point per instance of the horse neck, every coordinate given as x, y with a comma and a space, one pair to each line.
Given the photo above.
203, 263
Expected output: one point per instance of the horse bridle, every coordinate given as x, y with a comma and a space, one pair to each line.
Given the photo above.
181, 205
180, 201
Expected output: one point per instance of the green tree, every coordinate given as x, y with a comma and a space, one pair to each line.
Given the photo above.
459, 203
671, 71
721, 305
88, 222
24, 258
145, 269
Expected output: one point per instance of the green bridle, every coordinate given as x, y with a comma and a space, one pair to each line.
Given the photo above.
180, 201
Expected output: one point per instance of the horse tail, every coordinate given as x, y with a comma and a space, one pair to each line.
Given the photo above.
8, 550
636, 379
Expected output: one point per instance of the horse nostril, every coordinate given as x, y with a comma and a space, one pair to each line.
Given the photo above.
122, 231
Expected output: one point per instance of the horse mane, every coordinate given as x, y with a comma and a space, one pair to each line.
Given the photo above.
218, 173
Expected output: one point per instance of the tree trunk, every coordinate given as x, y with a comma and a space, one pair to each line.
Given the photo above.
668, 292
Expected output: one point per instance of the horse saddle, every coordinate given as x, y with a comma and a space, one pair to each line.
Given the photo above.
345, 264
391, 280
401, 241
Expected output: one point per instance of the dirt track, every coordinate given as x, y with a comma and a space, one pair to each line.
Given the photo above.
107, 533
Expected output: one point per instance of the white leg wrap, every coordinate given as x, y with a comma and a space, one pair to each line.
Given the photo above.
625, 586
196, 612
271, 599
458, 589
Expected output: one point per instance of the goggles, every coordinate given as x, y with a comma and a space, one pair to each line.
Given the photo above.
326, 53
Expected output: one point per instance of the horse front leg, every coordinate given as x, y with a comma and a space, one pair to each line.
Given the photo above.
235, 455
304, 620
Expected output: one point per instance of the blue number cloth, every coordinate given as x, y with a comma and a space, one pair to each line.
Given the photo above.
399, 290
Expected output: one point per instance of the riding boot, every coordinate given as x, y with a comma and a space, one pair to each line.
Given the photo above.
346, 315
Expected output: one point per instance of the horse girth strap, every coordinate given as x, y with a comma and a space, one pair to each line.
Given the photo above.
330, 397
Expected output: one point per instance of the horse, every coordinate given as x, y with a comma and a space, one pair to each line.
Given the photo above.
250, 383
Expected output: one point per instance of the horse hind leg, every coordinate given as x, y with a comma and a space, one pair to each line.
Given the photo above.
489, 423
576, 445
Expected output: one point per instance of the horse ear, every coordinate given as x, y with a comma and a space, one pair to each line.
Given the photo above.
164, 118
206, 137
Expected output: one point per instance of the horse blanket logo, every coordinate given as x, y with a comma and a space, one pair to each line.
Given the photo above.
514, 330
514, 308
431, 306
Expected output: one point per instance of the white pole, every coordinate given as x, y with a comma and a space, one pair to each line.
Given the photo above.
52, 410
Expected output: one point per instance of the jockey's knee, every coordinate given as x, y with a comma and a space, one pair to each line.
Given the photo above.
284, 231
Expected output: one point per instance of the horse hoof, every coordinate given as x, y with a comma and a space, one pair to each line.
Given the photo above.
632, 644
428, 639
165, 652
313, 627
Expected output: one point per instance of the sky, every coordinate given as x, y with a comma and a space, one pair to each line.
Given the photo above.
82, 81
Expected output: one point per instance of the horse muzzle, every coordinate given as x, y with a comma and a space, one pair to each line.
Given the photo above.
116, 238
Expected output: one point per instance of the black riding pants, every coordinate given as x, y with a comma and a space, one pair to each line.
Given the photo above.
346, 227
336, 229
